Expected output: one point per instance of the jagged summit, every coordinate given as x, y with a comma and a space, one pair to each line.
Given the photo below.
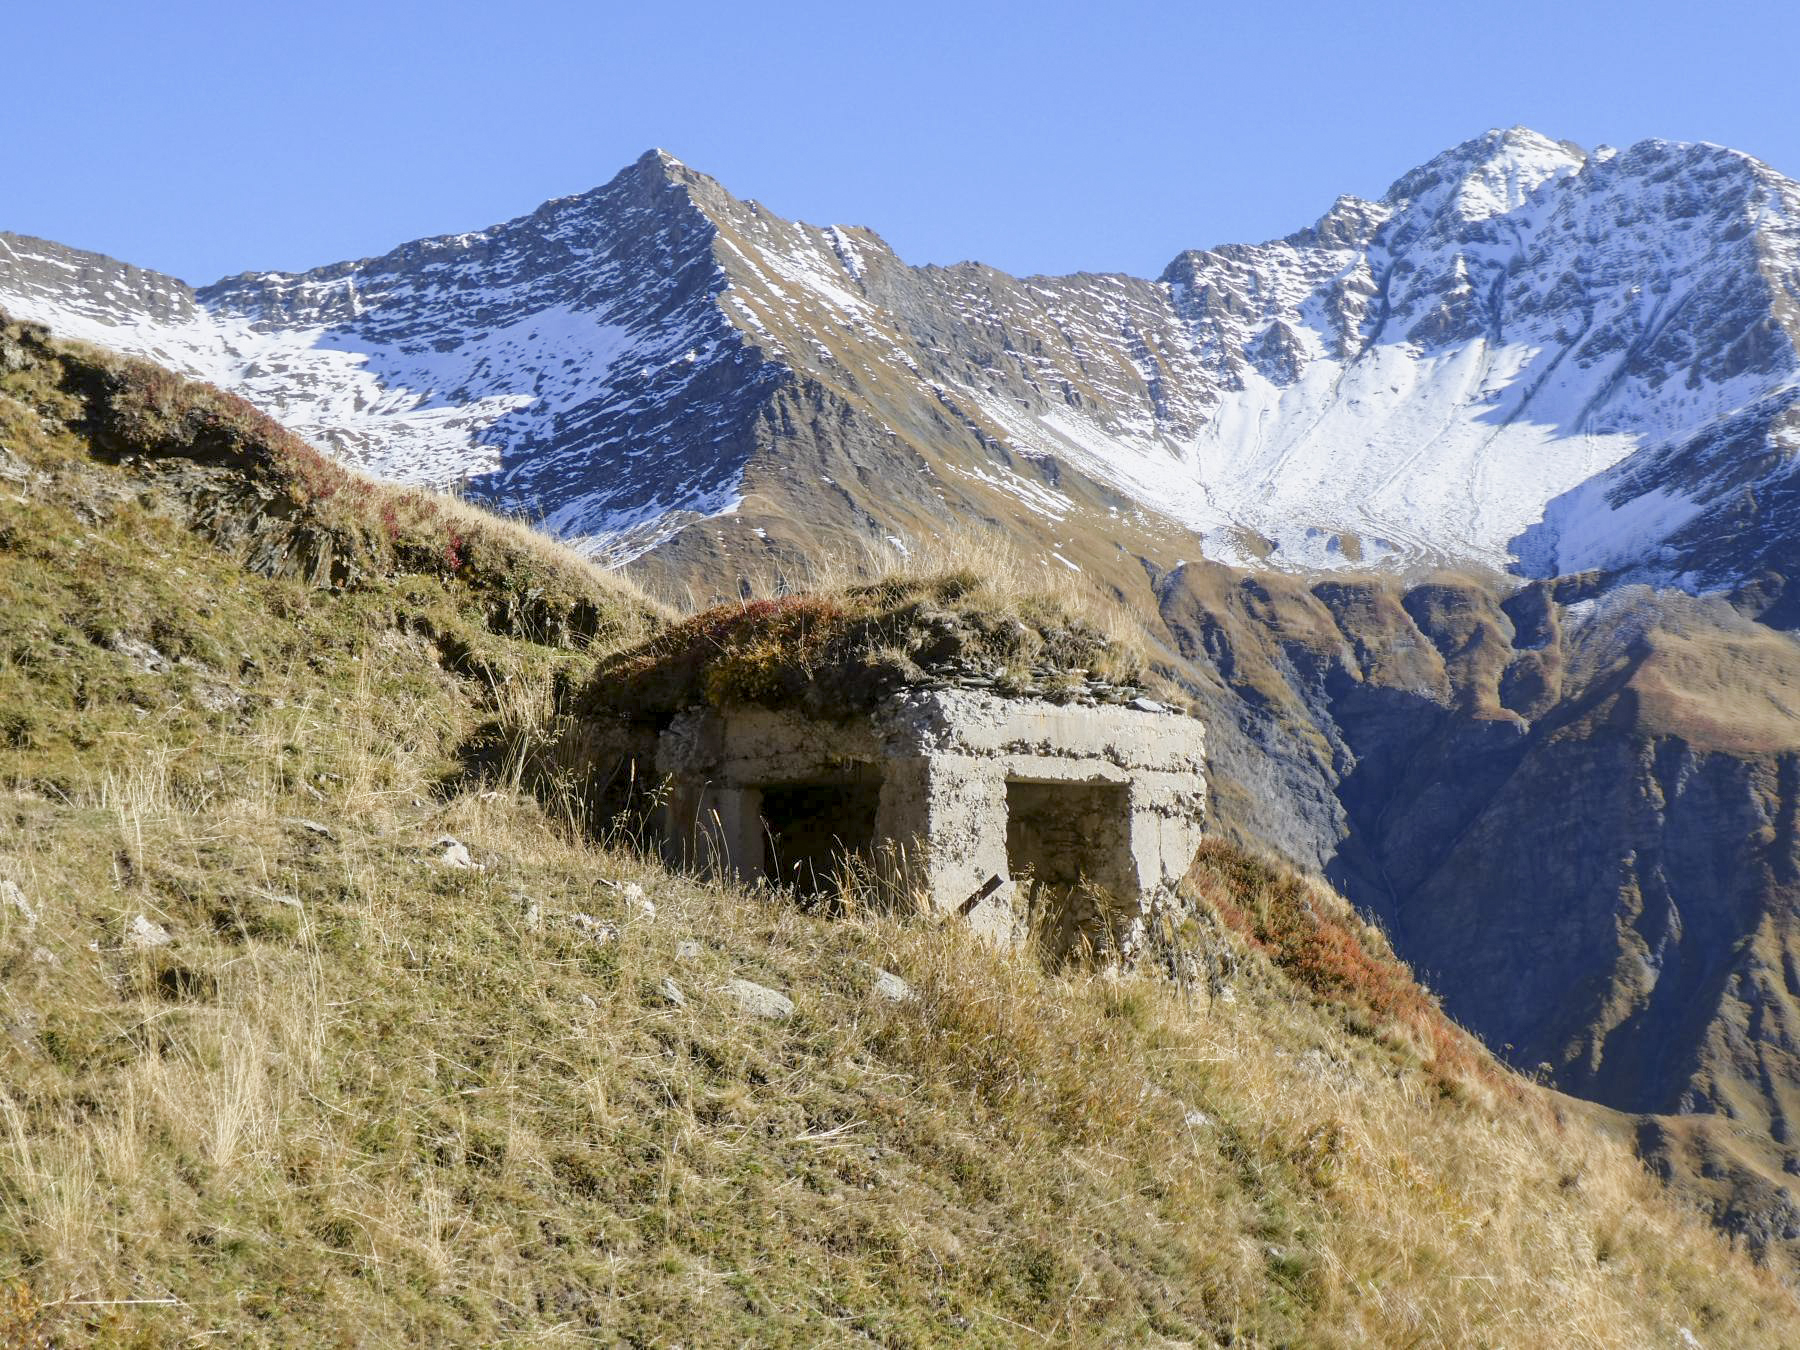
1490, 174
1524, 354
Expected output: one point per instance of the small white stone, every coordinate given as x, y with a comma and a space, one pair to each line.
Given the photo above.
455, 853
144, 932
672, 992
1196, 1119
891, 987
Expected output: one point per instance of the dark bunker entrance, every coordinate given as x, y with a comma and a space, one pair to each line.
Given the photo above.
816, 833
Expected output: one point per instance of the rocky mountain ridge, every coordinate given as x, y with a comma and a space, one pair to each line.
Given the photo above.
1523, 355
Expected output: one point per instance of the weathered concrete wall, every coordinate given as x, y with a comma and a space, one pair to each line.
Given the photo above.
716, 765
974, 744
946, 759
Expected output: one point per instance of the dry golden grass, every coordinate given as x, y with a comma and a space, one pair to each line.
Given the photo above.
398, 1101
1006, 571
1005, 575
362, 1097
840, 650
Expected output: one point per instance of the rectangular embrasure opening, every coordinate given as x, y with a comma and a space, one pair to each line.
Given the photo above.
1068, 845
813, 830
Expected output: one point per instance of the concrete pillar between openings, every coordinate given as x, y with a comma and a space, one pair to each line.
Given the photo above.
901, 825
1145, 844
965, 834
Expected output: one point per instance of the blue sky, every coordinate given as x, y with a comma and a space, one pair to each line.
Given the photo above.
212, 137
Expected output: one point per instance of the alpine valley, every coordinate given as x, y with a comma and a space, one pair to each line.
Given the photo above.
1467, 518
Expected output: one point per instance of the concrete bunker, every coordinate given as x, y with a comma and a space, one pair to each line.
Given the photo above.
1036, 821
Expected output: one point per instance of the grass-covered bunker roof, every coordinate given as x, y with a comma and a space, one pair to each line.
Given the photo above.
842, 652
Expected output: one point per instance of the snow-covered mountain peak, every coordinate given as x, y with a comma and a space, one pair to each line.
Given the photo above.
1489, 175
1523, 354
1350, 223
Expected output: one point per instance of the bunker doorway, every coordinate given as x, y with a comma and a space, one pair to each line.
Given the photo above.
816, 834
1068, 845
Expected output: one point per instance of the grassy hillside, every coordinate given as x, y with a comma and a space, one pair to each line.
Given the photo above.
278, 1069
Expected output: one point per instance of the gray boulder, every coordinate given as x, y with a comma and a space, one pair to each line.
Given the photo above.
760, 1001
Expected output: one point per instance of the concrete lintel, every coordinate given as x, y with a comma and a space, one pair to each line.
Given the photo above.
763, 745
954, 721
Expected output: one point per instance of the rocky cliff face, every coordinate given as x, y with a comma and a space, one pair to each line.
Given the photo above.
1516, 785
1573, 809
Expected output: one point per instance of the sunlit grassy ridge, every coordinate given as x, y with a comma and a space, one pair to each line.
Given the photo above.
284, 509
365, 1097
1315, 939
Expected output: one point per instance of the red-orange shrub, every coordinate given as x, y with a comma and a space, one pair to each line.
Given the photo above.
1318, 943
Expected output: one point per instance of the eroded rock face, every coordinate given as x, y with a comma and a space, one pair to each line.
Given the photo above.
1574, 812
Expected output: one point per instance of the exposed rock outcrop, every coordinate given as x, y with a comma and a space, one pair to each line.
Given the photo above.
1573, 811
